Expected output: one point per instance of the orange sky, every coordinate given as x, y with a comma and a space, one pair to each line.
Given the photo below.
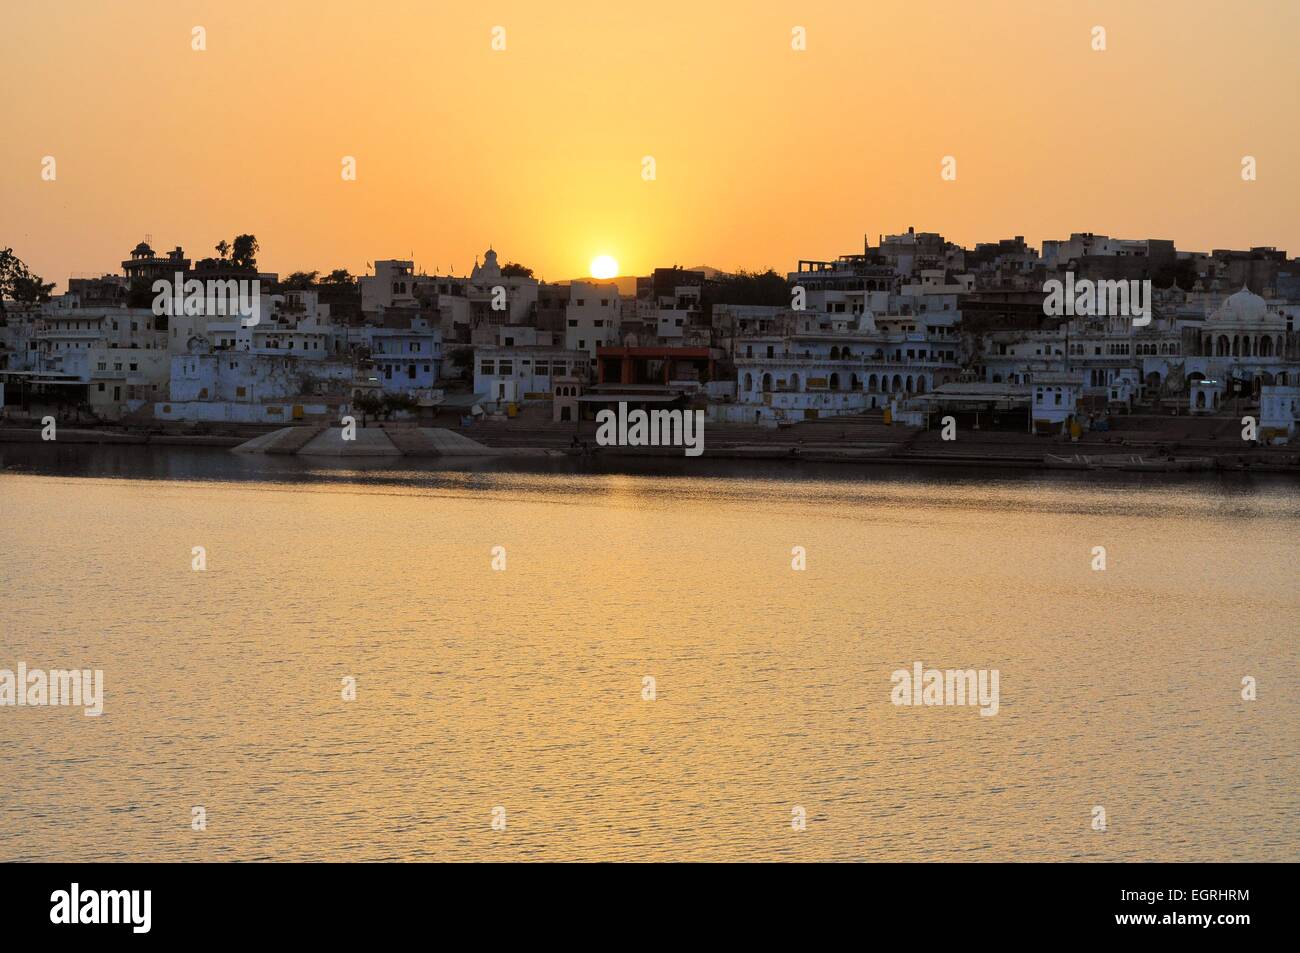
763, 154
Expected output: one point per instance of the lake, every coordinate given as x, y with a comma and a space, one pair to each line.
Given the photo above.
647, 677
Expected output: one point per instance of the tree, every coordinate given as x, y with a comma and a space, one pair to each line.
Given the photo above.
395, 402
512, 269
29, 289
462, 358
339, 276
223, 249
244, 252
140, 293
369, 403
300, 281
17, 281
751, 287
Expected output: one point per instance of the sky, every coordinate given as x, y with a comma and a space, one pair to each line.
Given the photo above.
763, 154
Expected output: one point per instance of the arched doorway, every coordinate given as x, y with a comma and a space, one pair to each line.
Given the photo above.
767, 383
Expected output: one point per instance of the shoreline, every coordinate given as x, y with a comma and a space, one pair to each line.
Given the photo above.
1003, 451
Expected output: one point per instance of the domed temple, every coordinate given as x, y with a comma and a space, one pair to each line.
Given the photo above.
1243, 327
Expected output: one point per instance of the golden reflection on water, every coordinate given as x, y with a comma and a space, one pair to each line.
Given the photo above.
523, 688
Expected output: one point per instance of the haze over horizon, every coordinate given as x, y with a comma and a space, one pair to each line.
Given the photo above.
763, 154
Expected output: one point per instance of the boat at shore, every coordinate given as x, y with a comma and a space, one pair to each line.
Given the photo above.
1126, 461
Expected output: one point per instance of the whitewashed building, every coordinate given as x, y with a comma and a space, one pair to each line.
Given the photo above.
515, 375
592, 317
406, 360
1279, 412
829, 365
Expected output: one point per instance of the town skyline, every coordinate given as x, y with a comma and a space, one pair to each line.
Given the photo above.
869, 245
778, 156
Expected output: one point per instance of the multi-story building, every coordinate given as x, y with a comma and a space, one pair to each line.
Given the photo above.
146, 266
520, 373
592, 317
119, 355
405, 359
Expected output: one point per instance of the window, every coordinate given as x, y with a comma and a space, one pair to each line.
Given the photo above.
505, 368
240, 391
573, 323
581, 345
487, 367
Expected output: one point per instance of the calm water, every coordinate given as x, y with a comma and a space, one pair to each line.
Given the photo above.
523, 688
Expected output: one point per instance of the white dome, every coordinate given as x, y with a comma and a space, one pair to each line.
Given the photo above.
1243, 307
489, 268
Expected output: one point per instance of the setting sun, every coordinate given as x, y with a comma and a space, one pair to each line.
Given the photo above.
604, 266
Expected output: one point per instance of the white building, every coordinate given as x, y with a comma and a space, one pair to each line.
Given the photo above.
406, 360
1279, 412
592, 317
1055, 399
118, 353
252, 387
672, 315
830, 365
1206, 396
392, 285
513, 375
